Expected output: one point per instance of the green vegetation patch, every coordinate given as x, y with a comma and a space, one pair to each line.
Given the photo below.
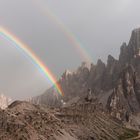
129, 133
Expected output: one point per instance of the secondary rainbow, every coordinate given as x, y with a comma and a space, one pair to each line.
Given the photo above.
73, 39
26, 50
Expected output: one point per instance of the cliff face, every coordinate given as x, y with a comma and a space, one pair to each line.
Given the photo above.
116, 84
123, 99
126, 94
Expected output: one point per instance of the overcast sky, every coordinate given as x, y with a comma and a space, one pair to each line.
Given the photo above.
101, 26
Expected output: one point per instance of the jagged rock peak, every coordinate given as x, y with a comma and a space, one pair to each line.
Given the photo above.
83, 68
110, 57
123, 48
110, 60
134, 43
85, 65
4, 101
132, 50
67, 72
100, 62
125, 54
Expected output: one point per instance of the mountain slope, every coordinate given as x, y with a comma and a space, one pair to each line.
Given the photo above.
25, 121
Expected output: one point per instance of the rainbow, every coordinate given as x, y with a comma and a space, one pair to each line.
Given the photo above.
28, 52
66, 31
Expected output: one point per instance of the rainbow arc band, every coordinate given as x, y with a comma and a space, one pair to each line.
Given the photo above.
72, 38
29, 53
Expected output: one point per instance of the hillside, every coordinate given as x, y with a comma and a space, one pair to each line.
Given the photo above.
25, 121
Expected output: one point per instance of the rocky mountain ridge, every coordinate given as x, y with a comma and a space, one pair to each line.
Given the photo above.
116, 84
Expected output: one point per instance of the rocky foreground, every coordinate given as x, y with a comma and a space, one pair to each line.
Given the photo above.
80, 121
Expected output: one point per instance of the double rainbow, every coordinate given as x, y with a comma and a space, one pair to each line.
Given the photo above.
28, 52
73, 39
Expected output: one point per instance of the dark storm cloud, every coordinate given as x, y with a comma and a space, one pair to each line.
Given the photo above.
100, 25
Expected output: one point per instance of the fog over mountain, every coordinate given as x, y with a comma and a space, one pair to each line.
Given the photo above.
100, 26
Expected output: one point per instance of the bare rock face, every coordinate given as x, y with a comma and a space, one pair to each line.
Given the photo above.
123, 101
52, 98
96, 75
133, 55
111, 73
134, 44
126, 96
124, 54
72, 83
132, 50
